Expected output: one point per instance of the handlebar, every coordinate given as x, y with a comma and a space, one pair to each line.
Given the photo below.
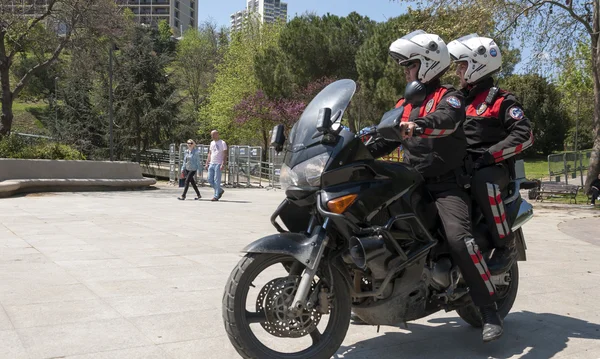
417, 131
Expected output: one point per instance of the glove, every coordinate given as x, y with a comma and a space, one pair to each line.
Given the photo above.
486, 159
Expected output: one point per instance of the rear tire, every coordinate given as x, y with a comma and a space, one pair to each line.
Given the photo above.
470, 313
239, 332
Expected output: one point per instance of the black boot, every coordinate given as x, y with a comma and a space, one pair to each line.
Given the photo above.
492, 324
503, 259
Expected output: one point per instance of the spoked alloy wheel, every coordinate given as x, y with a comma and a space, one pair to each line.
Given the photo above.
256, 311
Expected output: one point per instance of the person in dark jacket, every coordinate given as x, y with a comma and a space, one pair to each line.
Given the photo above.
595, 190
497, 130
438, 155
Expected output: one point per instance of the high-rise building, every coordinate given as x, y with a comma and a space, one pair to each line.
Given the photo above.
24, 7
266, 11
180, 14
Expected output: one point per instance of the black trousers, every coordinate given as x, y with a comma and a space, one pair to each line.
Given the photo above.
595, 192
487, 185
189, 179
454, 208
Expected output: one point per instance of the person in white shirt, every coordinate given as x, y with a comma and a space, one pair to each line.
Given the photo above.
215, 163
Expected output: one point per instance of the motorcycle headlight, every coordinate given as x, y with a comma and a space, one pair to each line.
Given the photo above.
307, 173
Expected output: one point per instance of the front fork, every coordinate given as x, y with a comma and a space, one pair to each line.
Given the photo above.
319, 244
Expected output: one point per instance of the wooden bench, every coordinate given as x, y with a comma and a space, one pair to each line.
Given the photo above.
553, 189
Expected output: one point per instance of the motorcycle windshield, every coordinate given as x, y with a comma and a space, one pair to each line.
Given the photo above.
335, 96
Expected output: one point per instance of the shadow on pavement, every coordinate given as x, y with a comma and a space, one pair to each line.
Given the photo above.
527, 335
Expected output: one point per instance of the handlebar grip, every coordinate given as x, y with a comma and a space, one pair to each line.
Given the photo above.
417, 131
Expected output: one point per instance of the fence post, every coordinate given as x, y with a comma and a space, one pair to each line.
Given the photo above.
566, 169
172, 168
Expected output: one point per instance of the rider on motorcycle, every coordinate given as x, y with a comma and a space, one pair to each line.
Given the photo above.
438, 155
497, 129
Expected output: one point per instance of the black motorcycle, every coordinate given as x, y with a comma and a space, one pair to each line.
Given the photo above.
362, 236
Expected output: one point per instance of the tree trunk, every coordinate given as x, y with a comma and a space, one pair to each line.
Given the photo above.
594, 169
7, 102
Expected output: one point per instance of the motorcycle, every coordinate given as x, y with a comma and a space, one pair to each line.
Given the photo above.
361, 236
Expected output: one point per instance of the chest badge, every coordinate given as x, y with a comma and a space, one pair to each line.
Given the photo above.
429, 106
481, 108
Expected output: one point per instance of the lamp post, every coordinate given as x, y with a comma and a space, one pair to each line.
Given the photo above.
56, 106
110, 99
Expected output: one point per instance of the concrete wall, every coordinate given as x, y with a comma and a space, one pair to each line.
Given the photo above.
55, 175
57, 169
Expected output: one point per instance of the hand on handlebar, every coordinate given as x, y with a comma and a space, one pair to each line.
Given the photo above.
407, 129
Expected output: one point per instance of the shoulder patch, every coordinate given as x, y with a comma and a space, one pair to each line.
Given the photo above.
481, 108
429, 106
453, 101
516, 113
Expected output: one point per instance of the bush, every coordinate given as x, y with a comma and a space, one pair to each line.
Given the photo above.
19, 147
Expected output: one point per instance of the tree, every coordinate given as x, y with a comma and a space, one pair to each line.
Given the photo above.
314, 47
548, 27
197, 60
541, 103
576, 84
145, 100
49, 33
236, 79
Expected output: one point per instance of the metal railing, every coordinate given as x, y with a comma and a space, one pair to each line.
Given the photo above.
568, 164
246, 167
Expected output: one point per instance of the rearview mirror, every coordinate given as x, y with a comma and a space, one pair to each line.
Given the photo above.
389, 127
324, 120
278, 137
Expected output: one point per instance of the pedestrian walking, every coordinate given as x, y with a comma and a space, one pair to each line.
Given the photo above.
191, 165
215, 163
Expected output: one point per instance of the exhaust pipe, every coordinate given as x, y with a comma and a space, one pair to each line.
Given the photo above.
362, 250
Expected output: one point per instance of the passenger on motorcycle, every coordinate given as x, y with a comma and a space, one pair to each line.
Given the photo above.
496, 129
438, 155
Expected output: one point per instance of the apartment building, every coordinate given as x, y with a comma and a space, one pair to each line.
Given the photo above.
180, 14
266, 11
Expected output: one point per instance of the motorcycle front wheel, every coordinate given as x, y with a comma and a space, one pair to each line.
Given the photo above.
255, 310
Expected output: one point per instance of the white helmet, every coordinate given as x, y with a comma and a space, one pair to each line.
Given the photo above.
429, 49
482, 55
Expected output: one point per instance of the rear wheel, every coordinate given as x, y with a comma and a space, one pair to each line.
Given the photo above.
255, 310
506, 293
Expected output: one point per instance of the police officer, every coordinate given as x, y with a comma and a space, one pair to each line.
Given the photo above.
497, 130
438, 155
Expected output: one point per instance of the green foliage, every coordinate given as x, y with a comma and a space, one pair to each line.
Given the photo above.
235, 80
196, 61
576, 84
541, 103
145, 101
18, 147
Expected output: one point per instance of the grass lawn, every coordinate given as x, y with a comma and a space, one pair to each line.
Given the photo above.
536, 168
27, 117
581, 199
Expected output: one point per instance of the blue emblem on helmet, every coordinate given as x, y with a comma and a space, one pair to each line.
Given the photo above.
493, 52
453, 101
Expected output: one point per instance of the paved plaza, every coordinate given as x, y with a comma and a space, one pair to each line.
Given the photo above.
139, 274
